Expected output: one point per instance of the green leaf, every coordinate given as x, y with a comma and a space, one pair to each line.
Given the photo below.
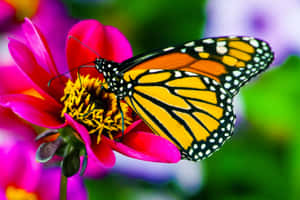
147, 24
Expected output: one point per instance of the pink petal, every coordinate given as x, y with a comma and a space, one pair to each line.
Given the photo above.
121, 49
146, 146
28, 65
7, 86
81, 130
94, 170
101, 153
107, 41
104, 153
36, 111
55, 31
39, 47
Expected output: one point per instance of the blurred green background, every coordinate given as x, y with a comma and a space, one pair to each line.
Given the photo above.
262, 160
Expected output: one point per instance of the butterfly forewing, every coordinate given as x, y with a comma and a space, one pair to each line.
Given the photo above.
191, 110
231, 61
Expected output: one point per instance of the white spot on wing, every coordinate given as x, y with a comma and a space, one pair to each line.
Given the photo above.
206, 80
199, 49
190, 73
212, 88
228, 78
260, 51
256, 59
190, 44
168, 49
221, 43
221, 50
129, 85
254, 43
236, 73
208, 41
177, 74
208, 152
155, 70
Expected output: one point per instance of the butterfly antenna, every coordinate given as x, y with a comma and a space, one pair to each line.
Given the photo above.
83, 44
76, 68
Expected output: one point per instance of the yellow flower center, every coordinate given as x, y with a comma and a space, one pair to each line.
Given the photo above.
88, 103
13, 193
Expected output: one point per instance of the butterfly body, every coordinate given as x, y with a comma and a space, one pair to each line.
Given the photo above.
184, 93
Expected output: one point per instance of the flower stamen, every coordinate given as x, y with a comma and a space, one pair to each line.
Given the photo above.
87, 102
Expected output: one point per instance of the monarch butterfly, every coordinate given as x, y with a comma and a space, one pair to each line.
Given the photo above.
184, 93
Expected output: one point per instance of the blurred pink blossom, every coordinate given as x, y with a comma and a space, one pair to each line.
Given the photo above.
55, 28
19, 170
275, 21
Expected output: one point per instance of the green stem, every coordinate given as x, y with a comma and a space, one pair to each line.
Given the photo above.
63, 187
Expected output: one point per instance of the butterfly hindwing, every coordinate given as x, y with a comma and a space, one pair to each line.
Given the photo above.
231, 61
191, 110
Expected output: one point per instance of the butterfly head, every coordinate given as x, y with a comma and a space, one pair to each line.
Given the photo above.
108, 68
110, 71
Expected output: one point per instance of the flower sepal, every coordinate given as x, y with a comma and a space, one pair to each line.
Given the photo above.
47, 150
66, 145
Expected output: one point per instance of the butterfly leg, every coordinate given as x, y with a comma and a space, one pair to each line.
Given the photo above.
122, 116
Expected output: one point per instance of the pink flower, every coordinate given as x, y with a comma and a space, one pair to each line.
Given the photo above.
22, 177
25, 90
260, 19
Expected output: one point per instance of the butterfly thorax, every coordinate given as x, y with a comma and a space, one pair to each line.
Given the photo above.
112, 76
